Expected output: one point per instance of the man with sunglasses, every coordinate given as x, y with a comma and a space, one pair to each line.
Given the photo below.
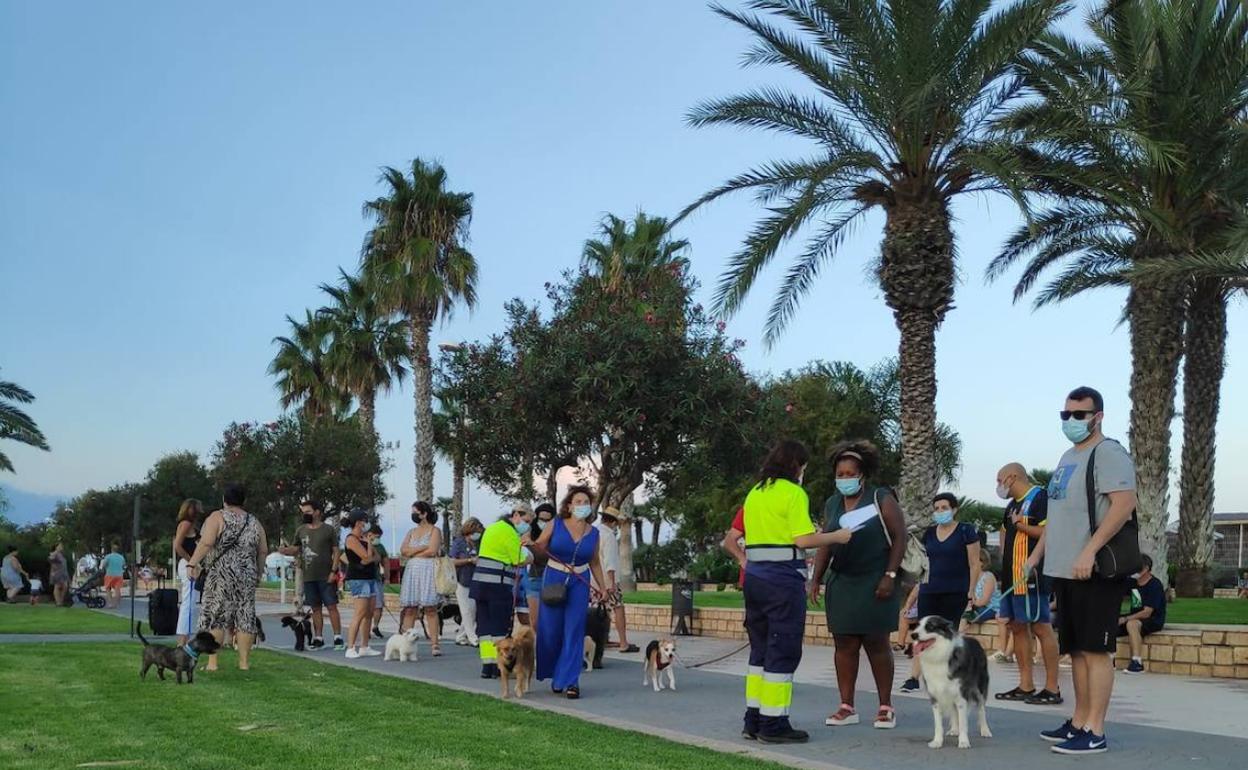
1087, 605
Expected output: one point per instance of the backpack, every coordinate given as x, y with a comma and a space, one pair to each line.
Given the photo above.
914, 561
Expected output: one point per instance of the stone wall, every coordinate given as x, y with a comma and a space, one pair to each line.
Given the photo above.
1185, 650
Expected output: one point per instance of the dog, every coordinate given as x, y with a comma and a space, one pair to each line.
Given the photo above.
182, 660
660, 655
403, 647
597, 627
955, 672
515, 656
449, 611
301, 624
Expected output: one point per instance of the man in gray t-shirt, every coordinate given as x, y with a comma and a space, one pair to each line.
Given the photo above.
1087, 604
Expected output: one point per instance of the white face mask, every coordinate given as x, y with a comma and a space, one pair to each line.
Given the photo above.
1003, 492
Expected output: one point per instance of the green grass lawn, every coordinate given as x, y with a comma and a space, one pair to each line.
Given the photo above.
47, 619
1216, 611
68, 704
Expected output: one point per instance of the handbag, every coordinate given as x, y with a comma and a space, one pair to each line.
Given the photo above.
201, 577
914, 560
556, 594
1120, 557
444, 581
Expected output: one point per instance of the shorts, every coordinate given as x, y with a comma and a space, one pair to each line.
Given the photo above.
1088, 614
980, 615
113, 581
522, 595
533, 585
949, 606
362, 589
379, 594
1032, 607
318, 593
1147, 626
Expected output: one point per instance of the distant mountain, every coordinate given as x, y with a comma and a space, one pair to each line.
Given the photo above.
29, 507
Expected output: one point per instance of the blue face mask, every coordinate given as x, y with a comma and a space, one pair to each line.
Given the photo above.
522, 528
942, 517
849, 487
582, 511
1077, 430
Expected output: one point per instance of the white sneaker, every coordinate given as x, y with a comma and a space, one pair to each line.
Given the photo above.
352, 654
368, 652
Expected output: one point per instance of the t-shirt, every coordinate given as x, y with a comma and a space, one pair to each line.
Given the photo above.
36, 585
608, 550
738, 523
1151, 594
1067, 532
463, 548
949, 570
114, 565
383, 561
316, 549
1017, 546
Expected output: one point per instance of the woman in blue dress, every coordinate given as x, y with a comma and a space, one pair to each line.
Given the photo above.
571, 544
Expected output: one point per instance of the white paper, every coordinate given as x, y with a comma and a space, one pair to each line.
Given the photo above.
858, 518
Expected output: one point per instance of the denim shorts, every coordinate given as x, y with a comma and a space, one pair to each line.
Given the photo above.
362, 589
318, 593
379, 593
533, 585
1032, 607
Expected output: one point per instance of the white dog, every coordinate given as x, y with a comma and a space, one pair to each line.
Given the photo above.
403, 647
660, 655
955, 671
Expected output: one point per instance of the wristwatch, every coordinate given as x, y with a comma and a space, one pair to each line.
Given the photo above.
892, 573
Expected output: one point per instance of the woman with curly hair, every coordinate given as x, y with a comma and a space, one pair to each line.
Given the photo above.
862, 597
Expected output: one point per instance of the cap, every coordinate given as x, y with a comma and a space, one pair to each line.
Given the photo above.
613, 513
357, 515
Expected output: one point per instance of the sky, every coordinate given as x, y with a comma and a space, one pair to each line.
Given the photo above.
179, 177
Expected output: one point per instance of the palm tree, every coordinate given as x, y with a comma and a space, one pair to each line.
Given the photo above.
367, 346
302, 371
624, 256
448, 439
416, 259
904, 92
15, 424
1141, 134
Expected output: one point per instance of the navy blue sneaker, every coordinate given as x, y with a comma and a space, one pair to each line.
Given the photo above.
1061, 734
1134, 667
910, 685
1086, 742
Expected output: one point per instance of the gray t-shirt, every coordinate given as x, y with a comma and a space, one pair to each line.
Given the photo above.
1067, 531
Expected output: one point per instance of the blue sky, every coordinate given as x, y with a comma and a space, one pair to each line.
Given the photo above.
177, 179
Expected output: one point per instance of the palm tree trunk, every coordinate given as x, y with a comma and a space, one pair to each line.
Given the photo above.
654, 530
457, 489
368, 411
626, 578
917, 276
1156, 316
1203, 365
422, 374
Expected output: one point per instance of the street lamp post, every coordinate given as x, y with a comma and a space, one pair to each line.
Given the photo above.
461, 419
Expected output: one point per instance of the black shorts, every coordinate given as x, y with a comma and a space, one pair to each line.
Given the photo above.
1087, 614
1147, 626
949, 606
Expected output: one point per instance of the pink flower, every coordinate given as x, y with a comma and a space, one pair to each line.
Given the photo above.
720, 326
789, 408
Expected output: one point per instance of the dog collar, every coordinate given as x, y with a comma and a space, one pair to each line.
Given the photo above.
187, 649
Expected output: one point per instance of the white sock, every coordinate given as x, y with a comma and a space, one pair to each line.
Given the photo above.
1136, 660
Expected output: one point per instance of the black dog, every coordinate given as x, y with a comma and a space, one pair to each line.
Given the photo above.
301, 624
597, 627
181, 659
446, 612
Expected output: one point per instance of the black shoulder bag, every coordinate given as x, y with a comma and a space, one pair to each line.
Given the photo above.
202, 576
1120, 557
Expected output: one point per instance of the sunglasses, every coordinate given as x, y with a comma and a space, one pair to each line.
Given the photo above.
1078, 414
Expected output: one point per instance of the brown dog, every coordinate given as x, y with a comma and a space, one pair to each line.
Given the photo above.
515, 659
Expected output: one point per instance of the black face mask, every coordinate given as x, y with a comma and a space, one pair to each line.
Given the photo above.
307, 518
417, 517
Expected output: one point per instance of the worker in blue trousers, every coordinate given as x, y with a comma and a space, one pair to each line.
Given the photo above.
494, 585
778, 529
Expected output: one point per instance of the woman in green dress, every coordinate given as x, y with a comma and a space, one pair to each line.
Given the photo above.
862, 597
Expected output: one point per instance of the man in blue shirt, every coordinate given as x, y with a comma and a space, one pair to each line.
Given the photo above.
1147, 615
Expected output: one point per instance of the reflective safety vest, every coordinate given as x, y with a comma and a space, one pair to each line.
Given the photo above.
498, 555
776, 514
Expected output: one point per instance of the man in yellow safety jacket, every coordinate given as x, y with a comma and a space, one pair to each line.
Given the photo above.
494, 585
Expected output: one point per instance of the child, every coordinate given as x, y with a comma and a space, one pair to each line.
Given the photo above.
36, 586
522, 595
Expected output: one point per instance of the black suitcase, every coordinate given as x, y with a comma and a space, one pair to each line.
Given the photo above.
162, 611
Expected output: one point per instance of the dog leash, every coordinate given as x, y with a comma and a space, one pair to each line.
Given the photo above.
683, 664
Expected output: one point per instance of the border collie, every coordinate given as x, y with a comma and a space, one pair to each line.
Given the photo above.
955, 671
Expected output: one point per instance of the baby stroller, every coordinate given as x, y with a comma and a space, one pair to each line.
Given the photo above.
88, 592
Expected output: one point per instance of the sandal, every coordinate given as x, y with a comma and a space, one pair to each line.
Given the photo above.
845, 715
574, 693
1045, 698
437, 652
885, 718
1017, 694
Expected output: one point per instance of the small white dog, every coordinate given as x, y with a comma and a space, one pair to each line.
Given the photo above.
660, 655
403, 647
955, 671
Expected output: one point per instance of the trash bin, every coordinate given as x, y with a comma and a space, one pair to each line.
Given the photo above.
682, 607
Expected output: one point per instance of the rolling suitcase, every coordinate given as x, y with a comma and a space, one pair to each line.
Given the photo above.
162, 611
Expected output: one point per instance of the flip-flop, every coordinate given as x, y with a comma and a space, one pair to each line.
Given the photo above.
573, 693
630, 648
1017, 694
